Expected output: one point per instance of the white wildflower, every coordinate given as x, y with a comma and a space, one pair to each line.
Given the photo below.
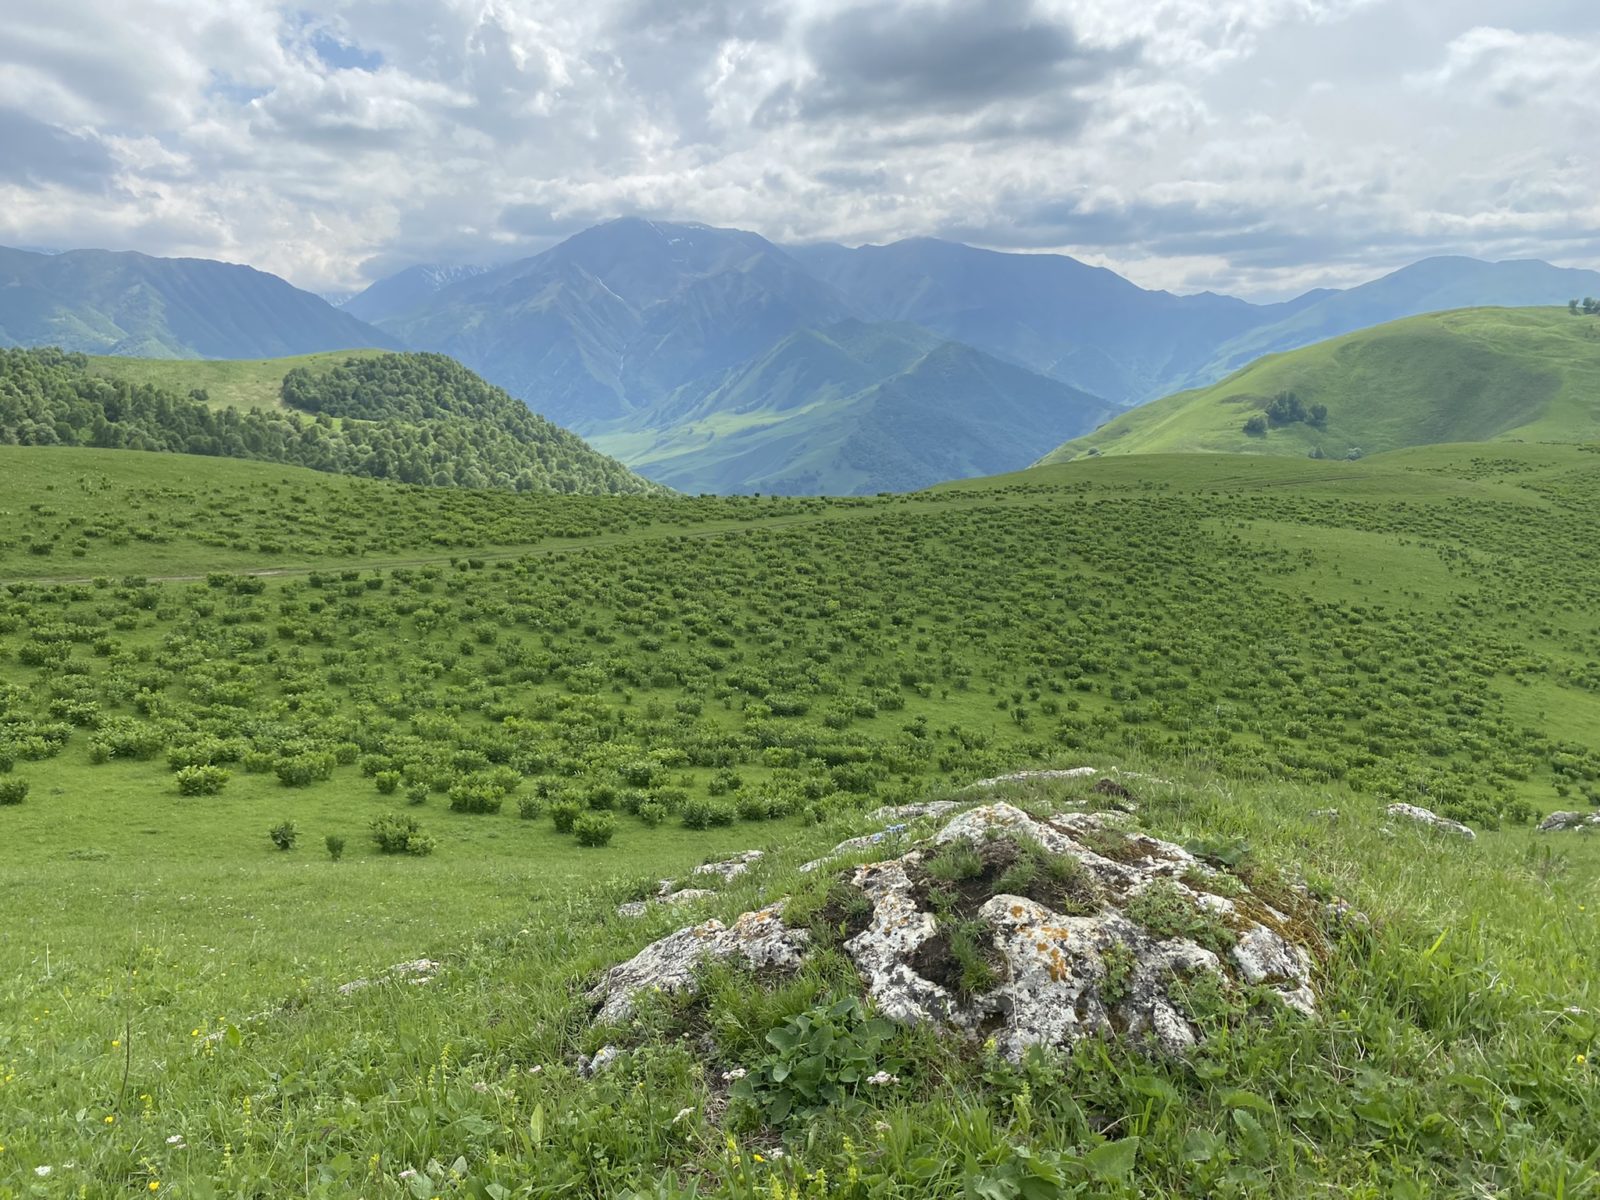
409, 1173
736, 1074
177, 1140
682, 1113
42, 1172
881, 1078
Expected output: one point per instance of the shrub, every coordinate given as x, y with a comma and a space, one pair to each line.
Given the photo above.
417, 793
302, 770
652, 814
594, 828
335, 845
201, 780
564, 813
704, 814
13, 791
753, 808
475, 796
387, 781
284, 835
530, 808
396, 834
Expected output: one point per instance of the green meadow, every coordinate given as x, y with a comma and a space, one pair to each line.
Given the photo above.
195, 653
1470, 375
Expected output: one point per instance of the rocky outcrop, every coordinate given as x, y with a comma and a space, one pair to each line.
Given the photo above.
1423, 816
757, 939
1558, 822
1123, 967
1032, 932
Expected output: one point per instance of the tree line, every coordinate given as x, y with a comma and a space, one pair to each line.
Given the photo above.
414, 418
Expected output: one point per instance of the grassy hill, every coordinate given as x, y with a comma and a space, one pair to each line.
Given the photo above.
1488, 374
416, 418
228, 383
195, 651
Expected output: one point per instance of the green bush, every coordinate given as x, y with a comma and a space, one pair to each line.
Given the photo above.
387, 782
705, 814
594, 828
652, 814
475, 796
201, 780
396, 834
335, 845
284, 835
13, 791
563, 813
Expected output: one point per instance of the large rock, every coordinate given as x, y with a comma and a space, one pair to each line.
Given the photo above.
1423, 816
1065, 976
1112, 940
757, 939
1558, 821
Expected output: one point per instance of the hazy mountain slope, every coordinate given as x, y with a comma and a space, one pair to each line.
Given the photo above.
1432, 285
101, 302
414, 418
1464, 376
851, 409
614, 319
398, 294
1059, 317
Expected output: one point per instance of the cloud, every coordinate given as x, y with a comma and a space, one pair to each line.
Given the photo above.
1257, 145
890, 59
38, 153
1513, 69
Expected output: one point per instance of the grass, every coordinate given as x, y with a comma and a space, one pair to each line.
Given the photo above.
1248, 628
228, 383
1472, 375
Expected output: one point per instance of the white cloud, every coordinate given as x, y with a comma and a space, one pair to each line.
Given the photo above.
1250, 144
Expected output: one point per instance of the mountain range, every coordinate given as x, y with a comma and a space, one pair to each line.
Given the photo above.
715, 360
110, 302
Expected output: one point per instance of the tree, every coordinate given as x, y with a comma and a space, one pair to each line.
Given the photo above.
1256, 426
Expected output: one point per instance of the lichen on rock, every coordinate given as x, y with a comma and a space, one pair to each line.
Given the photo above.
1033, 932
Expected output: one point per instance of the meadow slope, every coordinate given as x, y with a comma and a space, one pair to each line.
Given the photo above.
1472, 375
210, 650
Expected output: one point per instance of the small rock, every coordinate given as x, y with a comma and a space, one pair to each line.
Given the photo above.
1423, 816
1030, 776
603, 1058
633, 908
418, 971
687, 896
729, 869
1559, 821
910, 812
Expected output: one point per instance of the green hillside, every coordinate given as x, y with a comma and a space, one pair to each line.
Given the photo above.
414, 418
228, 690
227, 383
1487, 374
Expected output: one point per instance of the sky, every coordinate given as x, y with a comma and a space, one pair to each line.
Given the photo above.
1257, 147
